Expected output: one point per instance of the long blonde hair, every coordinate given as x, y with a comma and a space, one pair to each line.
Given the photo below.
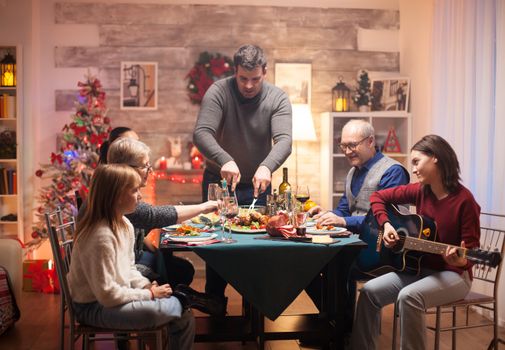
109, 181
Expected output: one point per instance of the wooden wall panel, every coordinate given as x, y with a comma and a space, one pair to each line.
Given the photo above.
175, 35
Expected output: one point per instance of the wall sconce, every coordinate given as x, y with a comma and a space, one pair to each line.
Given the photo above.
341, 97
8, 69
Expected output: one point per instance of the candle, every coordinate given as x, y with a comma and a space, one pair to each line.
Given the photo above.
339, 104
163, 164
196, 161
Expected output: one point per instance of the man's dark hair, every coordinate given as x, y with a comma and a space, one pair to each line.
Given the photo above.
250, 57
436, 146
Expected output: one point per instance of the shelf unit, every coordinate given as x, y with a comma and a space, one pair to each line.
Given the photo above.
12, 203
334, 165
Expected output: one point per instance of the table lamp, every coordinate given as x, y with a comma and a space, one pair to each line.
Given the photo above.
303, 129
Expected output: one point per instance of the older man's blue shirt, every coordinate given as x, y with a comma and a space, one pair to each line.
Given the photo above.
396, 175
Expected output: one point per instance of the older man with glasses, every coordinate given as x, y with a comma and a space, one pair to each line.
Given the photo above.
371, 171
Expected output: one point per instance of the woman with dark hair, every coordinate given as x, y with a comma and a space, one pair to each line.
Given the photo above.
443, 278
120, 131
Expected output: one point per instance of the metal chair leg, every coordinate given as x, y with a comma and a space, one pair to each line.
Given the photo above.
454, 330
395, 329
62, 323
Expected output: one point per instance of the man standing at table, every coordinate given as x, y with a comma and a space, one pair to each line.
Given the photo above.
244, 128
371, 171
244, 132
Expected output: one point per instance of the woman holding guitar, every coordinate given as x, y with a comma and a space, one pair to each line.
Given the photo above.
443, 278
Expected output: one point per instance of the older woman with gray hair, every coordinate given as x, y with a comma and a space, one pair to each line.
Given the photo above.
153, 264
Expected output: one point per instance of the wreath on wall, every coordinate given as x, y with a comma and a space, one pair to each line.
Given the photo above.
208, 69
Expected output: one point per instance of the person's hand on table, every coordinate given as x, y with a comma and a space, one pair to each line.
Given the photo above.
231, 173
261, 180
208, 207
329, 218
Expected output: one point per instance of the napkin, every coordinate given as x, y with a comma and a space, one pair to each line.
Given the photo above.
210, 241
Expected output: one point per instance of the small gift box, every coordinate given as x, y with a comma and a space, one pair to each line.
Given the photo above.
40, 276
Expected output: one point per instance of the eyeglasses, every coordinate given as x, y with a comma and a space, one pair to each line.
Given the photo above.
352, 145
147, 167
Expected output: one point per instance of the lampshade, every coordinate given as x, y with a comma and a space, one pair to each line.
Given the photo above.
303, 125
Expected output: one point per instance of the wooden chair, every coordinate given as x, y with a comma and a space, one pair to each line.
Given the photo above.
492, 239
61, 231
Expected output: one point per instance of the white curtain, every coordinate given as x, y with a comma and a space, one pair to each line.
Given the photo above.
469, 92
469, 95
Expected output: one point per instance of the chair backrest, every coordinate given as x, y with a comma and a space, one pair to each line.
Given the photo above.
491, 239
61, 232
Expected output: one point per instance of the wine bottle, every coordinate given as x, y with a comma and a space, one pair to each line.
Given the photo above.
284, 186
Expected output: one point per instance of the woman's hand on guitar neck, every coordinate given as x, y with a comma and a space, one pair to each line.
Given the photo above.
390, 236
452, 256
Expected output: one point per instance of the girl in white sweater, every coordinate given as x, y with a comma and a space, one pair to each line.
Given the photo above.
106, 288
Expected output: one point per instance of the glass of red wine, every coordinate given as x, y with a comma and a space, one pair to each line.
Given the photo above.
302, 193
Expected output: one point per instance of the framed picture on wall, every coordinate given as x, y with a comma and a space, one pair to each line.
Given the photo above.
390, 94
295, 79
139, 85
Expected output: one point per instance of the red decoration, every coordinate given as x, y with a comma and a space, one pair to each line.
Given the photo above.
392, 145
39, 276
39, 173
35, 234
163, 164
196, 162
206, 71
56, 158
179, 178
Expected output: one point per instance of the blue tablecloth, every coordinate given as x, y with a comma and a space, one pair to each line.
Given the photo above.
269, 274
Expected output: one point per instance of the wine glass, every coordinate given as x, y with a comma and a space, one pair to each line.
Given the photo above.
213, 192
230, 210
302, 193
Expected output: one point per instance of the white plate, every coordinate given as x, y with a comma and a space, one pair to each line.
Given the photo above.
204, 236
314, 231
245, 230
176, 226
310, 223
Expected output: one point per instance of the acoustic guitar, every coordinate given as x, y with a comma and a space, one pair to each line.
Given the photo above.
418, 235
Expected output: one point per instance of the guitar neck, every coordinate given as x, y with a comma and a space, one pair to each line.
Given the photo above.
422, 245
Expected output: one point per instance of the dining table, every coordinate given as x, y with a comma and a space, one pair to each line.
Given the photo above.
269, 273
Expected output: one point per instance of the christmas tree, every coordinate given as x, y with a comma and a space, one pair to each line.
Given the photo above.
71, 167
363, 96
